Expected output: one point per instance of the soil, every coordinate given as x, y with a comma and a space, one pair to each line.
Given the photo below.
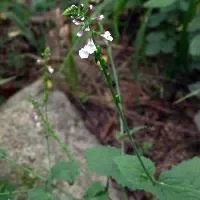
170, 135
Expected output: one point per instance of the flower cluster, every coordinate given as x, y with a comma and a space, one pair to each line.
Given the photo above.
81, 17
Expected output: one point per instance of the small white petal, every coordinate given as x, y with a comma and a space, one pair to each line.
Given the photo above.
91, 7
80, 34
77, 23
35, 117
82, 5
73, 6
83, 53
83, 18
87, 29
39, 61
101, 17
50, 69
90, 46
107, 36
38, 125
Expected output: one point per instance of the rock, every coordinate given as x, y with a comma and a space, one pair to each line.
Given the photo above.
197, 120
22, 136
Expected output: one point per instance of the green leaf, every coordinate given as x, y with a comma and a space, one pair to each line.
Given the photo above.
132, 172
156, 36
168, 46
99, 159
194, 25
156, 19
39, 194
195, 46
96, 191
66, 170
181, 182
3, 153
153, 48
159, 3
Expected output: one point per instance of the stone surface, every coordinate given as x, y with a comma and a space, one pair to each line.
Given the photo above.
197, 120
22, 136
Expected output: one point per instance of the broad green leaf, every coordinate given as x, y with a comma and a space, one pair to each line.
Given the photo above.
183, 5
132, 172
66, 170
39, 194
168, 46
181, 182
156, 19
99, 159
194, 25
156, 36
159, 3
195, 46
3, 153
96, 191
153, 48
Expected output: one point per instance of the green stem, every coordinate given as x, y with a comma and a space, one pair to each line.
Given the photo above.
116, 80
116, 99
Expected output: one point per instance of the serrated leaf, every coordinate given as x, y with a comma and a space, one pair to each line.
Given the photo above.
99, 159
96, 191
66, 170
153, 48
159, 3
132, 172
195, 46
181, 182
39, 194
194, 25
3, 153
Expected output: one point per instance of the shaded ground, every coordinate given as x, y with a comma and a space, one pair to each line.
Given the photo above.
169, 136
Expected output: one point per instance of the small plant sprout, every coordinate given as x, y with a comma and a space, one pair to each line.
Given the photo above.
111, 78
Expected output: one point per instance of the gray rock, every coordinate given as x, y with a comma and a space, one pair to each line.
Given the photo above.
197, 120
23, 137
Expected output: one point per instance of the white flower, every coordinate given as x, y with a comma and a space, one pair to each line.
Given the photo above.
100, 17
80, 34
90, 46
87, 28
50, 69
88, 49
83, 18
82, 5
83, 53
91, 7
76, 22
107, 36
39, 61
